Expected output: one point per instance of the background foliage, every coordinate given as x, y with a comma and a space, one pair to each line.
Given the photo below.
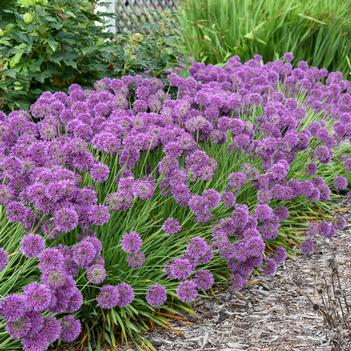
50, 45
318, 31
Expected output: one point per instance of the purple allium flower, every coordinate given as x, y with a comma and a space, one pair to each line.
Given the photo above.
136, 260
54, 278
99, 172
187, 291
179, 268
228, 199
35, 343
38, 297
197, 248
156, 295
50, 258
263, 212
143, 189
288, 56
311, 168
307, 246
96, 274
270, 267
340, 183
75, 301
236, 181
171, 226
281, 213
131, 242
70, 328
32, 245
340, 223
323, 154
83, 253
98, 214
212, 198
108, 297
51, 329
173, 149
65, 219
19, 328
12, 307
280, 254
203, 279
325, 229
3, 259
237, 282
126, 294
119, 201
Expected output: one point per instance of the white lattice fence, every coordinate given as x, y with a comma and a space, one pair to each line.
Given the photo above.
132, 14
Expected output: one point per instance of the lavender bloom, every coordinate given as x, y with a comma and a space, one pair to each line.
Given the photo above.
131, 242
203, 279
108, 297
126, 294
180, 268
38, 297
156, 295
143, 189
263, 212
187, 291
32, 245
50, 259
311, 168
35, 342
99, 172
70, 328
19, 328
96, 274
228, 199
340, 183
288, 57
65, 219
237, 282
12, 307
197, 248
270, 267
83, 253
51, 329
3, 259
171, 226
307, 246
98, 214
136, 260
280, 254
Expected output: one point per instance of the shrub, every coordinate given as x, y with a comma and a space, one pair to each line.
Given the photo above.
141, 189
50, 45
316, 31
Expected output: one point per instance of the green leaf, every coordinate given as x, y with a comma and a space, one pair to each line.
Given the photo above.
16, 59
9, 73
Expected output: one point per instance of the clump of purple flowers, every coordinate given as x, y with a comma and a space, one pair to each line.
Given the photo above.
50, 153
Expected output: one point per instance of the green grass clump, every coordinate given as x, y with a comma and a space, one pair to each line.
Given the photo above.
318, 31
